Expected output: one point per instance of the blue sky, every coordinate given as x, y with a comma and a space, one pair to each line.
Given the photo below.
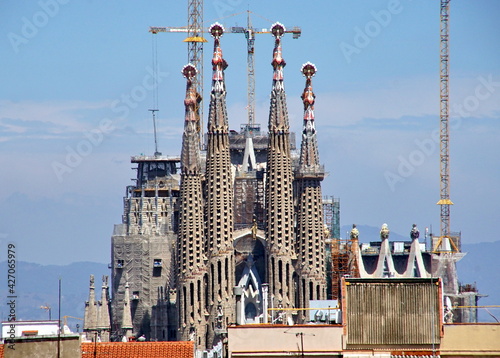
75, 78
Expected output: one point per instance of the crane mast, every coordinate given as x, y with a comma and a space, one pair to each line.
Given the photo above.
195, 42
444, 201
250, 35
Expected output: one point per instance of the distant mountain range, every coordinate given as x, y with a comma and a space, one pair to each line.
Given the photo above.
37, 285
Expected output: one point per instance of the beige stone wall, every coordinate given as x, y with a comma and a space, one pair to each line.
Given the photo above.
459, 340
284, 340
43, 348
479, 339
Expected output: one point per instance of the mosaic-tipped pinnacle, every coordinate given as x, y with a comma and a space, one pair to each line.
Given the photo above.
216, 30
308, 69
189, 71
278, 29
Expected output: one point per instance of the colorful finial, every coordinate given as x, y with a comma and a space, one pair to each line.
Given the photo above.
189, 71
308, 69
309, 157
218, 62
278, 62
192, 98
216, 30
278, 30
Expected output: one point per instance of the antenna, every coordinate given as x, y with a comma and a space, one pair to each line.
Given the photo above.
153, 111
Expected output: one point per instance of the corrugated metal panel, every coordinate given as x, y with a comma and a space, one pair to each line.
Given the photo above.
392, 311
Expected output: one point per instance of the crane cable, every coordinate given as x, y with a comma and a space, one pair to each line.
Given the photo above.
154, 49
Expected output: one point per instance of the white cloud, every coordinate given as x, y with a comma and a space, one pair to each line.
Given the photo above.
59, 116
409, 97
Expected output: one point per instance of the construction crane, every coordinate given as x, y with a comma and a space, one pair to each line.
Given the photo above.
195, 54
195, 42
250, 32
65, 319
444, 131
447, 245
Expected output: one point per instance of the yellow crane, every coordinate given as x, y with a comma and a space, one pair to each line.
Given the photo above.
65, 319
444, 130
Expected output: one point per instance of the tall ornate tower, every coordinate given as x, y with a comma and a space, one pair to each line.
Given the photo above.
192, 274
309, 210
279, 191
219, 201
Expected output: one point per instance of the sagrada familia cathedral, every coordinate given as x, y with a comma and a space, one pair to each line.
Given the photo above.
233, 232
215, 236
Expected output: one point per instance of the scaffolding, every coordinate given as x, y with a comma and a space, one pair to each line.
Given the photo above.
331, 220
340, 266
331, 214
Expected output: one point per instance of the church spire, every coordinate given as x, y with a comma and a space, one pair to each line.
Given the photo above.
127, 326
309, 211
103, 320
279, 191
190, 155
90, 314
278, 30
309, 157
219, 200
218, 62
192, 256
278, 117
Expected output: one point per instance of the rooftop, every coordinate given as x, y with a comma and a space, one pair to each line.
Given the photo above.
138, 350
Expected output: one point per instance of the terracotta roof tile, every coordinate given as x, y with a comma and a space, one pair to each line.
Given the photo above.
137, 350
